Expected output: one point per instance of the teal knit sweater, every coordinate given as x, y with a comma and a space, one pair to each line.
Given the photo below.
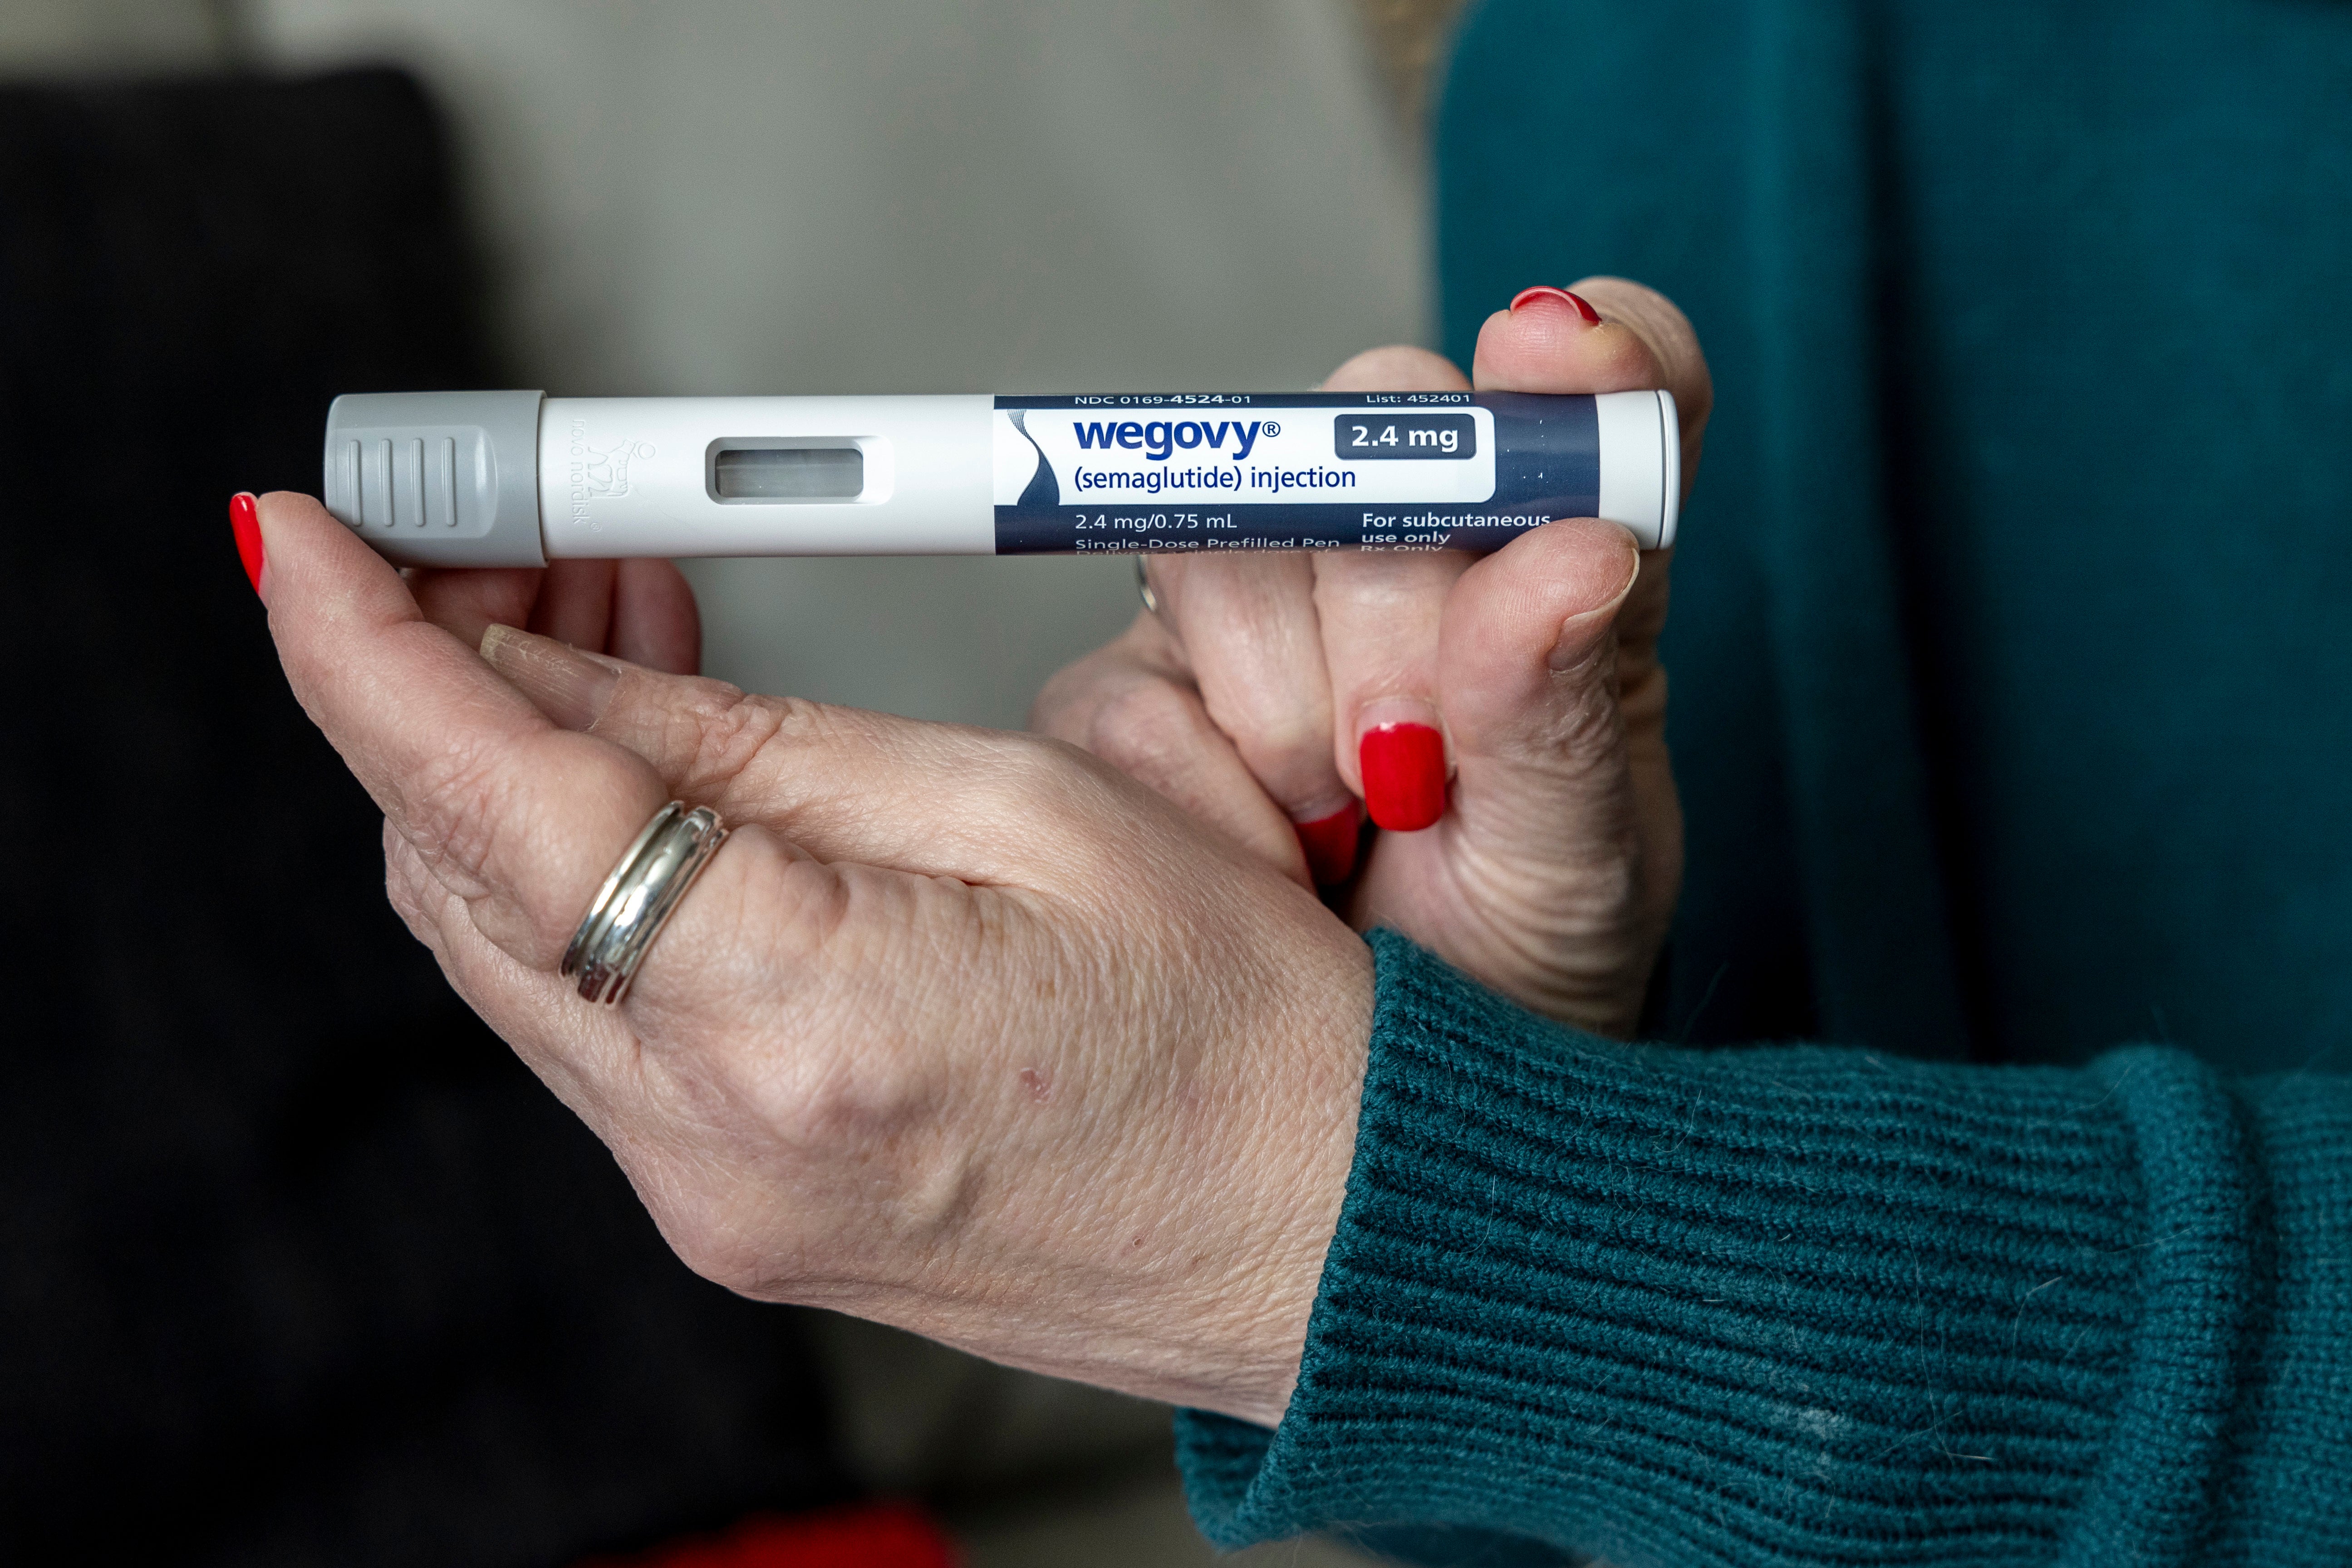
1800, 1305
2013, 663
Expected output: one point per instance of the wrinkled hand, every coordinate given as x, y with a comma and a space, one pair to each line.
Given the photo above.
1271, 692
961, 1030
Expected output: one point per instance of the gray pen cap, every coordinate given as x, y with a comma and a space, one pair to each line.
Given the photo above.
438, 478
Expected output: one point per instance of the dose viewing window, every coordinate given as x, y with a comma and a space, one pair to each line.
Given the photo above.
787, 473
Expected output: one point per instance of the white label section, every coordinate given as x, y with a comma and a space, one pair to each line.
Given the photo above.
1275, 456
629, 476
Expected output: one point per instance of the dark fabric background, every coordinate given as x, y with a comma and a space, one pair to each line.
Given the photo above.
297, 1263
2008, 644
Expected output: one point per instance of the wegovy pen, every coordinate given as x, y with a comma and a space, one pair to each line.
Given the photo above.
519, 479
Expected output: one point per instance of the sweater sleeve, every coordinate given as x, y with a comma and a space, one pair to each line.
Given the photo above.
1778, 1307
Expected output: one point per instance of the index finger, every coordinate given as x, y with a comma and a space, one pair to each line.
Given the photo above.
520, 818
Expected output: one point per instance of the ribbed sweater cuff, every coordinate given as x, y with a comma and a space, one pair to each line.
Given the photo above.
1774, 1306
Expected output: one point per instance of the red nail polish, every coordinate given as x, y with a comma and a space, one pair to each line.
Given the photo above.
245, 522
1404, 775
1330, 845
1577, 301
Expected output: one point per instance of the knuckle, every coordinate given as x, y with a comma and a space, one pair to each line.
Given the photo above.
1066, 703
815, 1131
853, 1105
1280, 742
1140, 721
819, 906
723, 732
449, 814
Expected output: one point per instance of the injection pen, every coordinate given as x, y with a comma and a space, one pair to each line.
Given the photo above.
519, 479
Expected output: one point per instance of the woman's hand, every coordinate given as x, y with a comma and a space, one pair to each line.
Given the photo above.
1271, 692
962, 1031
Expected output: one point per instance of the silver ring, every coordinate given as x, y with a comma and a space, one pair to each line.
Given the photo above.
637, 900
1143, 587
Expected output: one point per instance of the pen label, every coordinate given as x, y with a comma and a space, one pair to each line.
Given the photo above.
1287, 471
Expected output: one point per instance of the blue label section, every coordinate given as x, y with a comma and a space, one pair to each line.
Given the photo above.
1273, 471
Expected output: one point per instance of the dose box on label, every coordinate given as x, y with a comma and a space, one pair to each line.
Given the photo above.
1417, 436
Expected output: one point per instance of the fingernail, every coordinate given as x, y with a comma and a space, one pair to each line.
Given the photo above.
1581, 632
1404, 775
1330, 845
1574, 301
560, 682
245, 522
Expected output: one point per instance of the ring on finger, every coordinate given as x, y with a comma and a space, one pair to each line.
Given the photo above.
1143, 586
637, 899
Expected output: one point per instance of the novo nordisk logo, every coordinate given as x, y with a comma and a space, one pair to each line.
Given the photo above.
1158, 438
599, 473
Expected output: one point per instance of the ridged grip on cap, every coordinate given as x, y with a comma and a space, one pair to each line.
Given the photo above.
438, 478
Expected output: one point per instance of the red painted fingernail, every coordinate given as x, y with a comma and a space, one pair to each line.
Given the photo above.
1404, 775
1330, 845
1583, 308
245, 522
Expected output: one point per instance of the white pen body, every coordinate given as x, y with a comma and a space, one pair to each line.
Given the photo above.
640, 476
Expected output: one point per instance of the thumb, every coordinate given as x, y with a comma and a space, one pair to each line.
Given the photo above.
1565, 815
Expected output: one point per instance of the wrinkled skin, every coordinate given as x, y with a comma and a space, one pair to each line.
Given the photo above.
974, 1033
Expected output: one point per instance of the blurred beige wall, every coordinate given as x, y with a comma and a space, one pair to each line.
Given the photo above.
950, 196
778, 195
734, 195
111, 36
